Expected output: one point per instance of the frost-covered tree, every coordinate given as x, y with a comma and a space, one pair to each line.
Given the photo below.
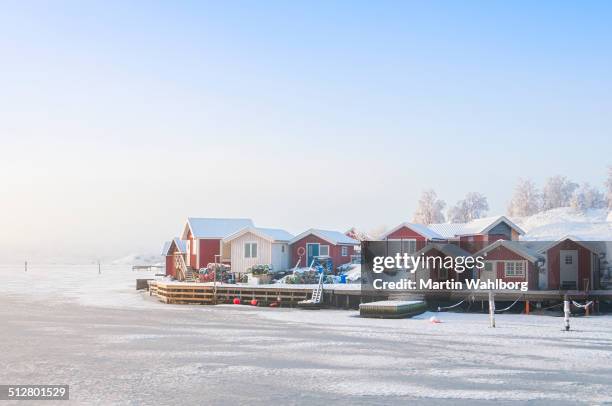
587, 197
377, 231
526, 199
609, 187
474, 206
357, 235
557, 192
429, 209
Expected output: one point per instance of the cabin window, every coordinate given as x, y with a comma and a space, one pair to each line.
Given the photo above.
323, 250
409, 246
488, 266
250, 250
344, 251
515, 269
568, 260
283, 249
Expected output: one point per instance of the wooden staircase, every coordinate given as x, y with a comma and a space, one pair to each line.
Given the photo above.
187, 273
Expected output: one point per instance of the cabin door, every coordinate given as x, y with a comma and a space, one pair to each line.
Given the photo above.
568, 269
312, 251
489, 272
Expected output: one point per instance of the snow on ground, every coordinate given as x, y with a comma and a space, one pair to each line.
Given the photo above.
550, 225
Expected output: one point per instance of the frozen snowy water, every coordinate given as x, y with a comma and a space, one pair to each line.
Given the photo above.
114, 345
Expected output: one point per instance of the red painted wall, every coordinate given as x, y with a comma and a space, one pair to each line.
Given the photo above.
473, 243
405, 233
554, 265
504, 254
208, 249
335, 251
451, 274
170, 271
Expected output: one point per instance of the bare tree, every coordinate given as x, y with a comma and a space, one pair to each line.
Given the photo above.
557, 192
429, 209
474, 206
588, 197
526, 199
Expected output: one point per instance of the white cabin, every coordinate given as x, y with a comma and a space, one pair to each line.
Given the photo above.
259, 246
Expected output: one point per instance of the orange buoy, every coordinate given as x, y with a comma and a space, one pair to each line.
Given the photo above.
236, 301
254, 302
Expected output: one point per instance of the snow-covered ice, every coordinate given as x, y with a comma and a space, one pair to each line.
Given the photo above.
114, 345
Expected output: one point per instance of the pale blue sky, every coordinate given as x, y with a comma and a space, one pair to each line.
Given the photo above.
119, 120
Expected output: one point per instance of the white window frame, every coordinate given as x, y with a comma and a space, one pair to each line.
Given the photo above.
320, 248
344, 251
412, 243
511, 271
250, 245
571, 260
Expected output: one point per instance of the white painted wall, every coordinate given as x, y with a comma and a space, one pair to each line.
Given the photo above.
240, 264
280, 256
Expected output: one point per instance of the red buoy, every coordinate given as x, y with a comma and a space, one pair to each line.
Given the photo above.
254, 302
274, 304
236, 301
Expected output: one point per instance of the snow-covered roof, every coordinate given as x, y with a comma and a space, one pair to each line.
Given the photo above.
477, 226
417, 228
270, 234
333, 237
180, 246
593, 246
451, 250
214, 227
527, 249
166, 247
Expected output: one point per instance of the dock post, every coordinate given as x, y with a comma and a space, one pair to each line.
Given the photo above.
527, 307
26, 266
566, 313
586, 310
492, 309
99, 269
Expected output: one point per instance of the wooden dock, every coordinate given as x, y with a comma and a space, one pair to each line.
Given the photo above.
342, 295
283, 295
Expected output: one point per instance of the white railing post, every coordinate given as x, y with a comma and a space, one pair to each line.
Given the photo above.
492, 309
